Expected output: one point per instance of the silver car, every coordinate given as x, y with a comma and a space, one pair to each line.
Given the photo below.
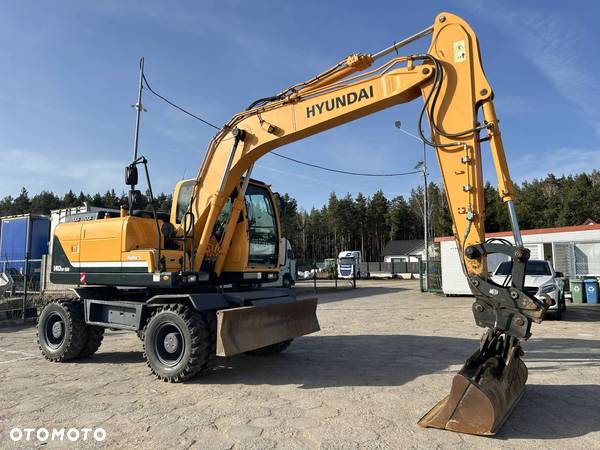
541, 280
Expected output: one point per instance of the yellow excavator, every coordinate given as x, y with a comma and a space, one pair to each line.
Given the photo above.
163, 276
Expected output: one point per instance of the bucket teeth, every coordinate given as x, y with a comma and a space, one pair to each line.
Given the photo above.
483, 395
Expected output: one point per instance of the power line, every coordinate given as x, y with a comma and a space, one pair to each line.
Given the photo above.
359, 174
177, 106
297, 161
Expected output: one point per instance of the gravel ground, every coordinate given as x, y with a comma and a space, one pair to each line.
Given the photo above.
386, 353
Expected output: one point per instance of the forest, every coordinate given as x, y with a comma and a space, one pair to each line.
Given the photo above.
366, 223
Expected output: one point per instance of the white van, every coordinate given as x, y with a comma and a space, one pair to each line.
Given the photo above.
287, 266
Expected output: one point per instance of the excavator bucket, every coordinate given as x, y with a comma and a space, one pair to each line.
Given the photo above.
482, 397
251, 327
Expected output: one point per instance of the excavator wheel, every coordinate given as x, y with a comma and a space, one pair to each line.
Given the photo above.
271, 349
177, 343
95, 336
62, 334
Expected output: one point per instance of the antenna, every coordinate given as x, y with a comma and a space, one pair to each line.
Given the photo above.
138, 110
131, 172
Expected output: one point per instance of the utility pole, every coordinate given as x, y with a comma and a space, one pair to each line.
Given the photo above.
426, 217
138, 110
423, 166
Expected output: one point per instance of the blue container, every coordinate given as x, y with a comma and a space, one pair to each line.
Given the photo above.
591, 291
21, 237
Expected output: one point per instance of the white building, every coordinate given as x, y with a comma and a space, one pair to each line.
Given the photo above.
409, 250
575, 251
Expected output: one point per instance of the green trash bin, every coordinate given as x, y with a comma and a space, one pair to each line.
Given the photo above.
577, 291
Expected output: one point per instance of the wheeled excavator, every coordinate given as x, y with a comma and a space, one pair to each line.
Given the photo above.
163, 275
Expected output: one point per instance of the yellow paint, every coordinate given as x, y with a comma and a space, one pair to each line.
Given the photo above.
348, 91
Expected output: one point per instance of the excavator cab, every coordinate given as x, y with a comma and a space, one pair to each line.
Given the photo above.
253, 254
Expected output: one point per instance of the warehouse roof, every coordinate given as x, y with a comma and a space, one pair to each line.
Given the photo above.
593, 226
404, 247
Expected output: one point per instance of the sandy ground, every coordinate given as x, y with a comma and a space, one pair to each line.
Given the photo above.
386, 353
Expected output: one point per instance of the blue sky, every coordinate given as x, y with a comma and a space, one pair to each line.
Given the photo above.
70, 76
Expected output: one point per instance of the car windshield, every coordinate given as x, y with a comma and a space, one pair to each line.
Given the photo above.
533, 268
346, 261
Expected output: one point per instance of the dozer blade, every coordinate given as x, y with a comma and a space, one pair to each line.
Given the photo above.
482, 397
251, 327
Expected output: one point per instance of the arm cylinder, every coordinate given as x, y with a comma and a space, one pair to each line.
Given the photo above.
506, 188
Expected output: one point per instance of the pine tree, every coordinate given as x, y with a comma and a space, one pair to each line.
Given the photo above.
21, 204
44, 202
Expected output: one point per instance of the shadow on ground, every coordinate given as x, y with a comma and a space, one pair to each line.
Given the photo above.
392, 360
311, 362
561, 411
347, 293
384, 360
352, 360
582, 313
101, 357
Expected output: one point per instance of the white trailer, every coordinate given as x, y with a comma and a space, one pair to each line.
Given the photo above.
574, 250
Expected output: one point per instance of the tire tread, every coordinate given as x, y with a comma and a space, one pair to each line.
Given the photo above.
75, 322
200, 339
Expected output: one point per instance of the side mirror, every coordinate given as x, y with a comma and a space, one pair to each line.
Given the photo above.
135, 198
560, 275
131, 175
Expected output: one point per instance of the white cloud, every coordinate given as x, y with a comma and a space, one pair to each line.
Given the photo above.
562, 161
318, 181
38, 171
54, 111
554, 44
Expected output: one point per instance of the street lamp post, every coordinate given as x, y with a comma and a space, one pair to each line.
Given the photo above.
423, 166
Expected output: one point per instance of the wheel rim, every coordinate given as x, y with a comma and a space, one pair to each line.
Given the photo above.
54, 330
169, 344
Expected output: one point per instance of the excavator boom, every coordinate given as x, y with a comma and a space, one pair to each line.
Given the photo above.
458, 104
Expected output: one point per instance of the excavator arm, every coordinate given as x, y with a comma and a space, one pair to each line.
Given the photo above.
458, 104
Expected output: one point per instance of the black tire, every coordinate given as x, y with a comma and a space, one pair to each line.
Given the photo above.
177, 343
287, 281
271, 349
210, 319
95, 336
61, 332
558, 313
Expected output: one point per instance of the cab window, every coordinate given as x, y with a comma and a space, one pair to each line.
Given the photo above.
262, 227
183, 200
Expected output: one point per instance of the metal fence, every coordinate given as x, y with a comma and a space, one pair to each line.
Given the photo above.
21, 280
432, 282
365, 270
318, 275
392, 268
